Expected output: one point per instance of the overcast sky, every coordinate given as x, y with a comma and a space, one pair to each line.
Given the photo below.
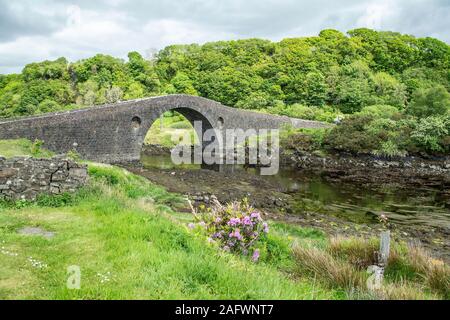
47, 29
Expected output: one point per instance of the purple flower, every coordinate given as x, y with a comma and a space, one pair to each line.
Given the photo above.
234, 221
218, 220
256, 215
247, 221
191, 225
202, 224
266, 227
236, 234
217, 235
255, 255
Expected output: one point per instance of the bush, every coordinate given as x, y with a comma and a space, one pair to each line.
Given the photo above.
236, 227
303, 139
351, 136
431, 133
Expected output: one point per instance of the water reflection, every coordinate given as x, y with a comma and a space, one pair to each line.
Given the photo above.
412, 206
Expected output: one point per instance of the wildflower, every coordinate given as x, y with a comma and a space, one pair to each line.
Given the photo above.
266, 227
247, 221
255, 255
217, 235
218, 220
234, 221
226, 248
202, 224
255, 214
191, 225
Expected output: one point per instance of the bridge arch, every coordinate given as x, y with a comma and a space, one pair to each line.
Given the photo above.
200, 123
115, 133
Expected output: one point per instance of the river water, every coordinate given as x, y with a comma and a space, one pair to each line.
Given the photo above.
412, 206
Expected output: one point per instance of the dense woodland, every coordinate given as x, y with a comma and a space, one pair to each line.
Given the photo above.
392, 90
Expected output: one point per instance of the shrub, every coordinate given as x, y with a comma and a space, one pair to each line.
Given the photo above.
351, 136
35, 147
55, 201
389, 149
430, 133
237, 227
296, 110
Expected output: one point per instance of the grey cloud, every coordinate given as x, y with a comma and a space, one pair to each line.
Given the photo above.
209, 19
20, 18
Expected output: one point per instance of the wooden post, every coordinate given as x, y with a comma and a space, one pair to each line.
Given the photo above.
385, 243
375, 280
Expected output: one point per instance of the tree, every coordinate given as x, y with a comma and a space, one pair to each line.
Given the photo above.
430, 102
113, 95
183, 84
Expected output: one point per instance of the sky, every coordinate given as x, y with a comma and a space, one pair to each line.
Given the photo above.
38, 30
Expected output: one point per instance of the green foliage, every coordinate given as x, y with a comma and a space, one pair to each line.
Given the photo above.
36, 147
351, 137
430, 102
23, 147
381, 111
432, 134
55, 201
347, 72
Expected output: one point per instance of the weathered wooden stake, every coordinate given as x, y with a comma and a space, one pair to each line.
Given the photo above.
375, 280
385, 243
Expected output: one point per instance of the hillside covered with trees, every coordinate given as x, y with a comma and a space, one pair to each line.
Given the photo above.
392, 89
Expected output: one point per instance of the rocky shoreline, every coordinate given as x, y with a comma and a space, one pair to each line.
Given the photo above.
408, 171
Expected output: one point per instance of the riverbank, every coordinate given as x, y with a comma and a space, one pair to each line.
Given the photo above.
414, 215
129, 238
367, 169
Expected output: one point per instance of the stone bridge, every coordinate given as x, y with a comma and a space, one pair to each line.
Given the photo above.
115, 133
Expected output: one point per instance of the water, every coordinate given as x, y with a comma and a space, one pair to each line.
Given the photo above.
424, 207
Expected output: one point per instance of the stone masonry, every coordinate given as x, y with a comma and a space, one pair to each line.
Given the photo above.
26, 177
116, 132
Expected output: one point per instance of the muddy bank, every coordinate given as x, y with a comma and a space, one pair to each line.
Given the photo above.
199, 185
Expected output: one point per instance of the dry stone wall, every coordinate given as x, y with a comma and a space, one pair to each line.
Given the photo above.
26, 177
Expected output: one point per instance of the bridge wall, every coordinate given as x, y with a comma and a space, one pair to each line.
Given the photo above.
116, 132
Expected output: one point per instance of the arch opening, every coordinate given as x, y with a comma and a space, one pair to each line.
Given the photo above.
178, 126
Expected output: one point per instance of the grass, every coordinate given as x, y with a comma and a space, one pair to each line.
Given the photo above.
129, 244
23, 147
411, 273
172, 129
130, 241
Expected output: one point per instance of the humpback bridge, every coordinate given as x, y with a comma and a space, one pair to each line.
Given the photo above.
116, 132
